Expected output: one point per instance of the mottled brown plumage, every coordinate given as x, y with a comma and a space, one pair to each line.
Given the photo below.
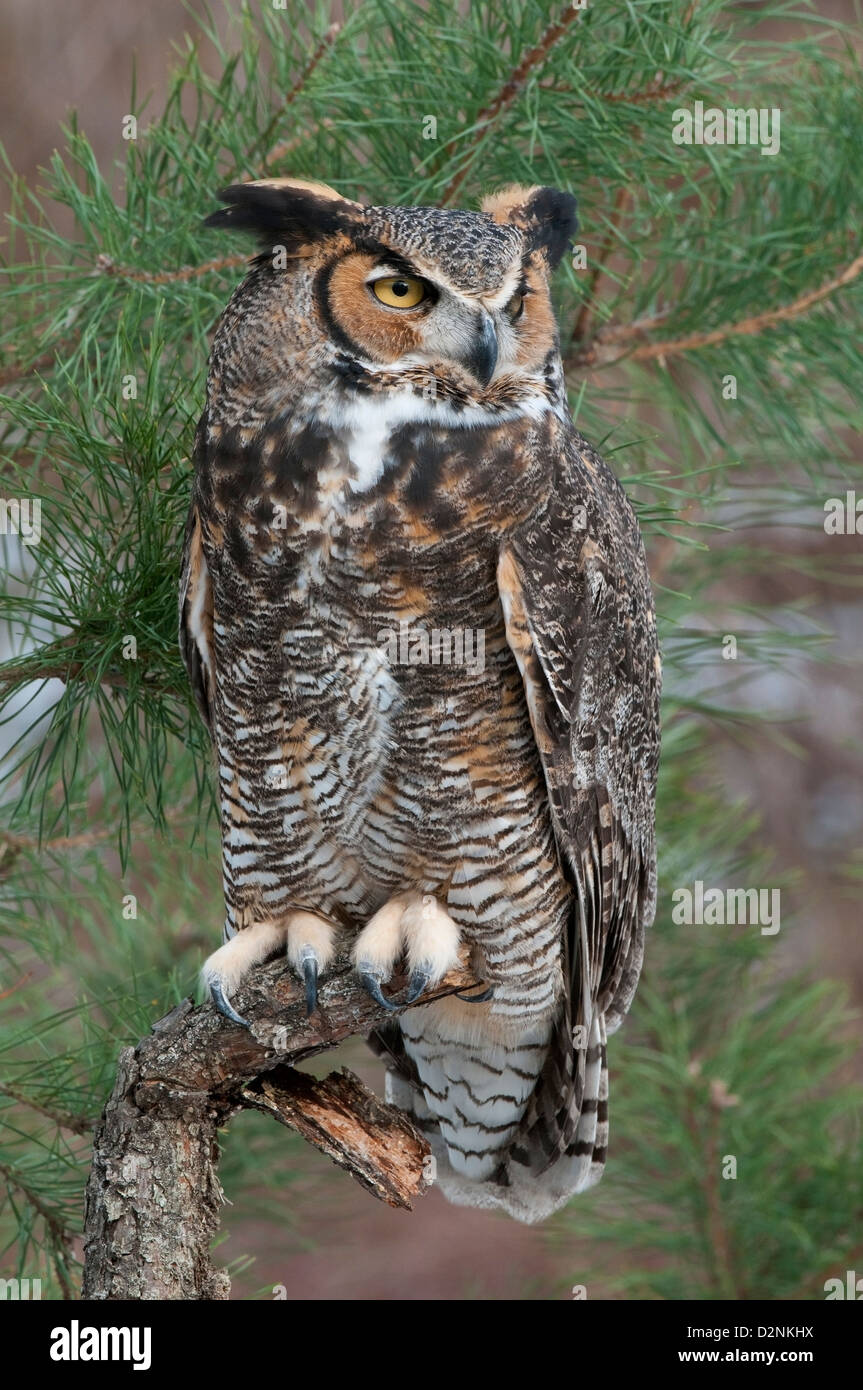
416, 617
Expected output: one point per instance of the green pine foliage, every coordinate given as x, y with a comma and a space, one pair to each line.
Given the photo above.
700, 264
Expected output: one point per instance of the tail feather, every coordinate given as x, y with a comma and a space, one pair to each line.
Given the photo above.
527, 1167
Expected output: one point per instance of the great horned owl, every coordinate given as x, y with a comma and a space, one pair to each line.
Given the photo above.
417, 619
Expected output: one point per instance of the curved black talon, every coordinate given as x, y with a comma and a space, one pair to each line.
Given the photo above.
476, 998
373, 985
310, 975
217, 994
417, 984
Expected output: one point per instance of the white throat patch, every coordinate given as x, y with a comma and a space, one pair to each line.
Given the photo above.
367, 424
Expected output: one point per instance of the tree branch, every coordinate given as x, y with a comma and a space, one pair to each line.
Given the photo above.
588, 307
601, 351
326, 42
286, 147
12, 846
59, 1237
533, 58
655, 91
16, 371
375, 1143
25, 673
76, 1124
706, 1142
105, 266
153, 1198
48, 663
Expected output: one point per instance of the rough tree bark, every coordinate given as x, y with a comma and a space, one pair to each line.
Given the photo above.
153, 1197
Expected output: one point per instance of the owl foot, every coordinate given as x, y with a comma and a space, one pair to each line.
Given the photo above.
310, 945
414, 922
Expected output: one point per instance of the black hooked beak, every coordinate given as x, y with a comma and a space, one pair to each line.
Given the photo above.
481, 358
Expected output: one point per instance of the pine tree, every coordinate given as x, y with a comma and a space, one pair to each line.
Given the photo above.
710, 323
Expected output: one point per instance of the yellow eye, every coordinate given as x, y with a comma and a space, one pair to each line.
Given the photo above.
515, 307
399, 291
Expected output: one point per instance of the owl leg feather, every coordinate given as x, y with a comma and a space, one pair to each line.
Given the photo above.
225, 969
411, 922
432, 942
310, 942
378, 947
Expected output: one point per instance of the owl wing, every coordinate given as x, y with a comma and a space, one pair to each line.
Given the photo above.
196, 618
580, 622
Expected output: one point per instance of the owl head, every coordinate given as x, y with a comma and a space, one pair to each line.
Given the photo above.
392, 291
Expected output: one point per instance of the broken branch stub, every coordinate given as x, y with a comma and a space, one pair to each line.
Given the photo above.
153, 1197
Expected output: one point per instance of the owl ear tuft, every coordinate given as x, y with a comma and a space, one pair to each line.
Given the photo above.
545, 215
291, 211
